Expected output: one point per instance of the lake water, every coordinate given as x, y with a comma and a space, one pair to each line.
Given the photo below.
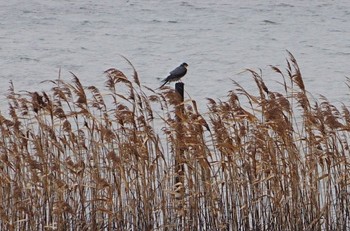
218, 39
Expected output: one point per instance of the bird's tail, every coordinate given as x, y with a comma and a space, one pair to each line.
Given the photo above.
165, 82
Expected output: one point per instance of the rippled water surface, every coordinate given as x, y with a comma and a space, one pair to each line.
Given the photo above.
218, 39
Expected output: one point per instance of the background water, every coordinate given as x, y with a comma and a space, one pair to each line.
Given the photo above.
218, 39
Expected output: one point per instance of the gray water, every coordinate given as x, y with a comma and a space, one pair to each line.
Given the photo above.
218, 39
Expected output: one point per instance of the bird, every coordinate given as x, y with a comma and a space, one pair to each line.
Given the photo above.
176, 74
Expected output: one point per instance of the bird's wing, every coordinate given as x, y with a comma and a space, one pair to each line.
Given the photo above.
166, 79
178, 71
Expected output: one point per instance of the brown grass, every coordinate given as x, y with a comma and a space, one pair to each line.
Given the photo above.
76, 159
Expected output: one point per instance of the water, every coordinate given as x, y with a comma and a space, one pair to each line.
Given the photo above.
218, 39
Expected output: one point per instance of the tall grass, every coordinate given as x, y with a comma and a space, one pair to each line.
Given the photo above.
73, 158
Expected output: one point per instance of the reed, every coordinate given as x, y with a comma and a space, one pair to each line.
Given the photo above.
74, 158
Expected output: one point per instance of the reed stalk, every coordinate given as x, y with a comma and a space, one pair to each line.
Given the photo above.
74, 158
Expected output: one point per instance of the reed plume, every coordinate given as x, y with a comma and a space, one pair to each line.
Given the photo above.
80, 158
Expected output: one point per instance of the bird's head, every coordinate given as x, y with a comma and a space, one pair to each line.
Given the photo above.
184, 64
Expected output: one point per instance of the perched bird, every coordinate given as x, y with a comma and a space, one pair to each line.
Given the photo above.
176, 74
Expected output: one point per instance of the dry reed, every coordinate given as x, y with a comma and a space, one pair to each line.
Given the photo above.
76, 159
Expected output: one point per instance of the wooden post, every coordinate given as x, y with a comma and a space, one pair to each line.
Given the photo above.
179, 153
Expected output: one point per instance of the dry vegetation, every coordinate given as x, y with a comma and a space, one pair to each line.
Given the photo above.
75, 159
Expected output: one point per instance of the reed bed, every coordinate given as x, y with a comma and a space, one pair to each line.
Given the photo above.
74, 158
